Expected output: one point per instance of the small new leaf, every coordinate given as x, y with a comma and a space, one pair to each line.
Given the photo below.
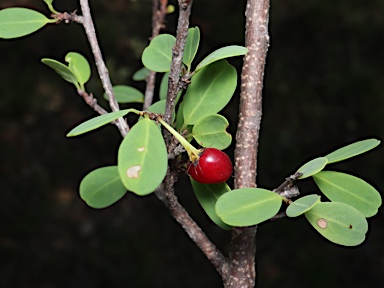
79, 66
62, 70
191, 46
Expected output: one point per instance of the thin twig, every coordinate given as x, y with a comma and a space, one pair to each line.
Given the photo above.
92, 102
175, 83
158, 16
167, 196
243, 248
89, 28
166, 193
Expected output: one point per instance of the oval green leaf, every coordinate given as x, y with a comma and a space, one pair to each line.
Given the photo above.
210, 91
126, 94
164, 87
180, 117
102, 187
222, 53
302, 205
50, 7
312, 167
17, 22
191, 46
207, 196
157, 107
338, 222
352, 150
248, 206
97, 122
141, 74
211, 131
62, 70
79, 66
142, 158
345, 188
158, 55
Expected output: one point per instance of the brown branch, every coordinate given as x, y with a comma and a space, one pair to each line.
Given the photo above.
175, 83
243, 248
92, 102
166, 193
158, 16
167, 196
89, 28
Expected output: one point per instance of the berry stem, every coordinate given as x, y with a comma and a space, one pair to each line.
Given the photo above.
193, 153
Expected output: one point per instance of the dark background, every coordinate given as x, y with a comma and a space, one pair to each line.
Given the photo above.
323, 89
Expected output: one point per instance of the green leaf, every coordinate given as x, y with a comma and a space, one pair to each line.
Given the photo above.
207, 196
79, 66
97, 122
302, 205
352, 150
191, 46
222, 53
102, 187
158, 55
338, 222
62, 70
126, 94
180, 117
157, 107
141, 74
248, 206
17, 22
210, 91
50, 7
142, 158
348, 189
211, 131
164, 87
312, 167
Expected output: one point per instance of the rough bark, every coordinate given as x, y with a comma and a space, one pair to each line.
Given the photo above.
243, 248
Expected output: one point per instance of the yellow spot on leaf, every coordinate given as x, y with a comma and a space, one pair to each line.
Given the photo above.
141, 149
133, 172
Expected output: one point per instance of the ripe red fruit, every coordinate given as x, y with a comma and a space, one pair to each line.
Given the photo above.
213, 166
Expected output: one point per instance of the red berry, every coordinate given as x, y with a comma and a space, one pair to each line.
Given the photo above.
213, 166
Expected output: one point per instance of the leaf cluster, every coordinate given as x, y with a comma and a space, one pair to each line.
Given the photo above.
142, 159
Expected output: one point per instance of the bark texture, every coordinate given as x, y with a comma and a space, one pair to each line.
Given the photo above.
243, 248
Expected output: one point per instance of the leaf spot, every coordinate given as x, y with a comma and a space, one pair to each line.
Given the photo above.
141, 149
322, 223
133, 172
